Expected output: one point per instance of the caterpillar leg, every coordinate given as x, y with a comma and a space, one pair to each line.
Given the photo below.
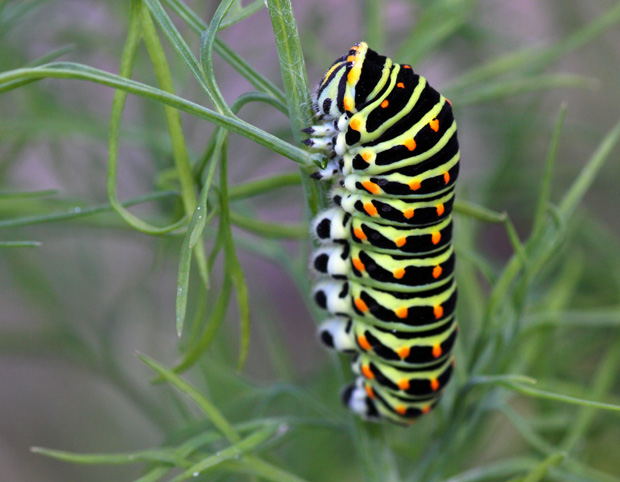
332, 260
331, 225
356, 398
333, 296
331, 170
336, 333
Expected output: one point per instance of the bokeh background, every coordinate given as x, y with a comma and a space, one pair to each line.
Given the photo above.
77, 308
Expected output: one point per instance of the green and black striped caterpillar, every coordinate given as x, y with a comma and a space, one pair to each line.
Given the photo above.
386, 260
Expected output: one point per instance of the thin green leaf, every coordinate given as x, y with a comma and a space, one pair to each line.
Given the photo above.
245, 445
603, 382
200, 345
192, 237
479, 212
262, 469
179, 147
153, 475
20, 244
179, 44
587, 175
118, 105
557, 397
535, 58
83, 72
499, 379
434, 25
166, 456
240, 65
510, 88
269, 230
5, 195
241, 13
599, 318
233, 267
50, 56
248, 97
206, 56
210, 411
513, 237
81, 212
545, 189
541, 471
263, 186
495, 471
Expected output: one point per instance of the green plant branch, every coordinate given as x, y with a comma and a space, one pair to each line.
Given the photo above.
297, 90
241, 66
118, 105
67, 70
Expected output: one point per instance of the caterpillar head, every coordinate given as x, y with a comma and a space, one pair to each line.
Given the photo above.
350, 81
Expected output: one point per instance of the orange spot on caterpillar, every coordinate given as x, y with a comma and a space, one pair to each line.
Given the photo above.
371, 187
363, 342
351, 58
410, 144
359, 234
415, 185
403, 352
367, 372
399, 273
358, 264
384, 104
366, 155
437, 311
434, 124
401, 409
403, 384
370, 209
437, 270
400, 85
446, 177
406, 66
355, 124
437, 351
408, 213
348, 103
434, 384
400, 242
401, 312
448, 101
436, 237
360, 305
426, 409
369, 391
440, 209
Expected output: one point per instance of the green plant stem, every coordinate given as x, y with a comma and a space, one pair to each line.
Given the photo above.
68, 70
297, 90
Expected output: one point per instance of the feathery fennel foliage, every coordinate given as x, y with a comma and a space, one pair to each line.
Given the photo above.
535, 395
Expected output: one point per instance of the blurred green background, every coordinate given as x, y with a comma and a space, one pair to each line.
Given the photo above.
76, 308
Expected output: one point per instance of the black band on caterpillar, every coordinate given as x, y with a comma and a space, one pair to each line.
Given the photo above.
386, 258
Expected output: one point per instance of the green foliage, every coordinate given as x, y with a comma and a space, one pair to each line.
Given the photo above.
536, 391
